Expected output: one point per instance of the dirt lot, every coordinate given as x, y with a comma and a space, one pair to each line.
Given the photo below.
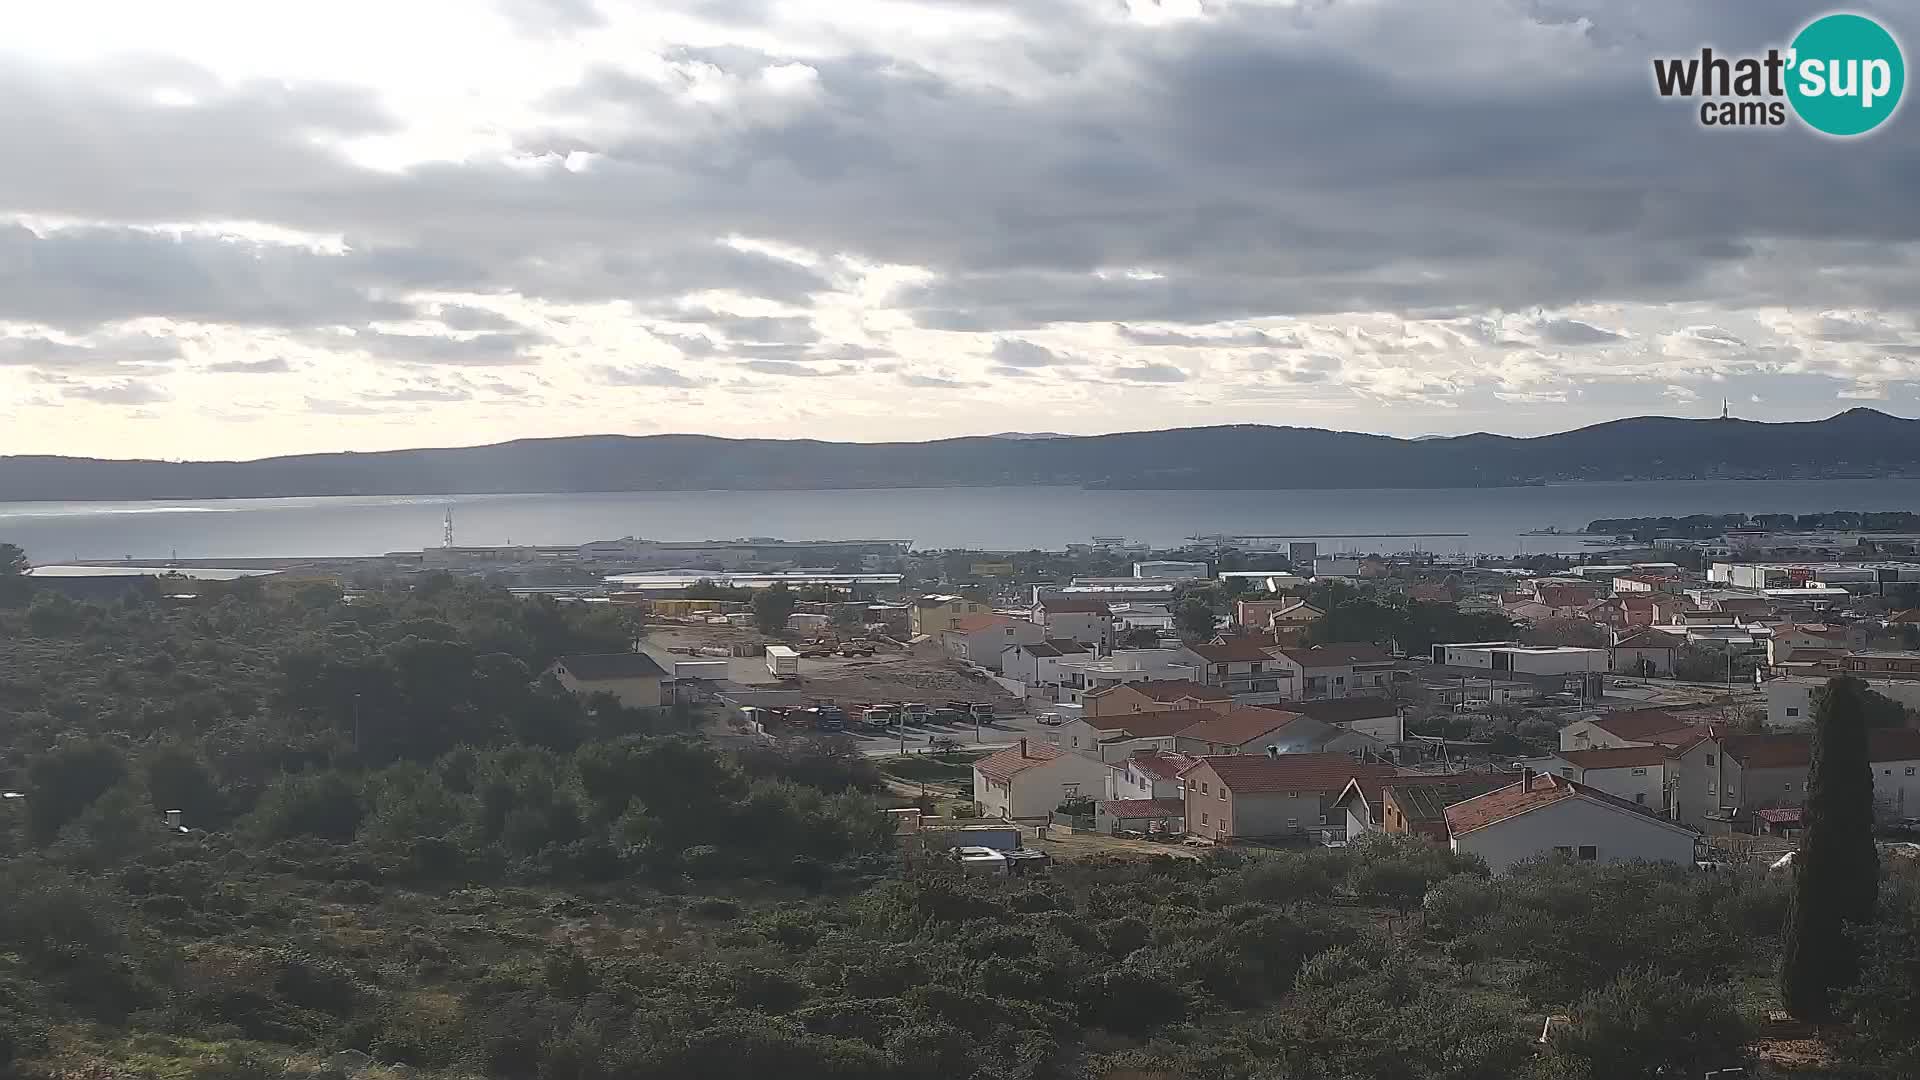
1093, 845
924, 675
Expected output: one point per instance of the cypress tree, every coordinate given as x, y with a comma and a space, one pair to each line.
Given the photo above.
1836, 875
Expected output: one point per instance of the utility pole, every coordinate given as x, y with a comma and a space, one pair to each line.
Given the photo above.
356, 723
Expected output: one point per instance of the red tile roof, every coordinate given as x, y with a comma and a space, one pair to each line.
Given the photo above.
1635, 725
1234, 650
1006, 764
1247, 774
1163, 764
1135, 809
1337, 655
1782, 750
1338, 710
973, 624
1238, 726
1522, 797
1621, 758
1785, 815
1150, 725
1171, 690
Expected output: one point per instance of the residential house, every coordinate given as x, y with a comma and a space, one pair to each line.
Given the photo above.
1253, 796
1243, 665
1136, 616
1380, 718
1258, 614
1634, 773
1147, 774
632, 677
1144, 794
1038, 663
981, 639
1337, 670
1116, 738
1518, 659
1417, 805
1542, 815
1158, 696
1882, 665
1076, 618
1633, 611
1568, 595
1430, 593
1298, 614
1631, 727
1090, 673
1030, 779
1256, 731
1723, 781
1791, 639
1410, 803
929, 615
1790, 698
1645, 653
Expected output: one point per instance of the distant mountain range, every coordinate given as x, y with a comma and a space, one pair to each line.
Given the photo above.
1859, 442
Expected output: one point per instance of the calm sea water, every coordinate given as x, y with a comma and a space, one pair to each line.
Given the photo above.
1493, 520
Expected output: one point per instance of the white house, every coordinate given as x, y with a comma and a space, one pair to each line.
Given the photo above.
1790, 699
1504, 656
1377, 717
981, 639
1038, 663
1628, 727
1335, 671
1030, 779
1552, 815
1168, 569
1089, 622
1634, 773
635, 678
1646, 653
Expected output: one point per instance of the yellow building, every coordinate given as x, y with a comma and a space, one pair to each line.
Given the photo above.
932, 614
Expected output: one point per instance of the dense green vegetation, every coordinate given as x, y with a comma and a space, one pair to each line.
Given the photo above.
1366, 613
403, 841
1705, 525
1838, 871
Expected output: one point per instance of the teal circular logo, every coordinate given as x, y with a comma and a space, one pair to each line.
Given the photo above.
1846, 75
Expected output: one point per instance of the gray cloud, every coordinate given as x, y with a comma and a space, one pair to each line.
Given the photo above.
1016, 353
126, 355
934, 382
1153, 373
644, 375
1575, 332
788, 368
274, 366
481, 350
459, 317
123, 392
1238, 339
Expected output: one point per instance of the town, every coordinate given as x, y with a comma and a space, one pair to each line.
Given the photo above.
1649, 701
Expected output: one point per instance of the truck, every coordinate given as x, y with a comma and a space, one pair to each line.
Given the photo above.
783, 662
700, 669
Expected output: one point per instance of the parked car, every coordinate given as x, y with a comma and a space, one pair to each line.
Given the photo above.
1050, 720
949, 716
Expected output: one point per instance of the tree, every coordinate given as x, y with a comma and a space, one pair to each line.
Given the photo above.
65, 780
1837, 872
1196, 618
1140, 637
1647, 1024
771, 606
15, 586
1578, 633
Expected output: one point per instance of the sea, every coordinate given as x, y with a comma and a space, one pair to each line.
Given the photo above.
1463, 521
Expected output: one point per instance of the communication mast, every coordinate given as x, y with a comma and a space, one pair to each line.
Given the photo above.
446, 531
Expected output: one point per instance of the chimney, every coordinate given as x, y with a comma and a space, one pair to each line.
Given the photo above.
173, 818
1023, 746
1526, 778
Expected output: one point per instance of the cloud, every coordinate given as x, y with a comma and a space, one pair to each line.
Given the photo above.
123, 392
645, 375
1234, 340
1574, 332
274, 366
478, 350
459, 317
1016, 353
787, 368
124, 354
934, 382
1152, 373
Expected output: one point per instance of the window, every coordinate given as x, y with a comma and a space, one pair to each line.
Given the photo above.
1070, 790
1339, 680
1793, 710
1709, 761
1909, 770
1563, 849
1589, 853
1639, 772
1709, 789
1789, 786
1323, 819
1203, 788
1223, 793
1293, 824
1203, 817
1641, 798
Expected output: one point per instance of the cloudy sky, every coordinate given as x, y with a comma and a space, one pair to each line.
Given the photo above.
243, 227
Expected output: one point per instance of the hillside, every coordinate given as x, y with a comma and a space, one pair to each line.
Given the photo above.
1860, 442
